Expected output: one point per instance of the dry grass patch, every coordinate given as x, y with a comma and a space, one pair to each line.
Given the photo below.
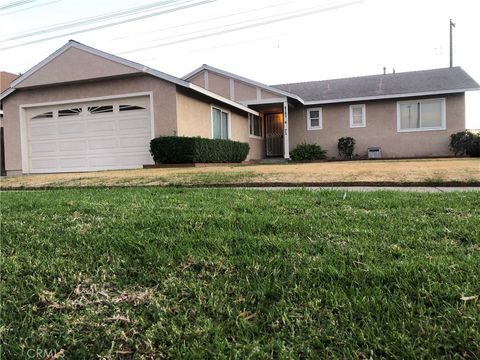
400, 171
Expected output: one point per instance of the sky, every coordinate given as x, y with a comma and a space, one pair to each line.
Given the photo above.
268, 41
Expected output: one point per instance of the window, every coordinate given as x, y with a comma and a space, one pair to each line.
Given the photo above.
100, 109
130, 107
69, 112
421, 115
46, 115
220, 124
314, 119
256, 126
357, 116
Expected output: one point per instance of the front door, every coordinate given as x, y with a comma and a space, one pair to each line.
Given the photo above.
274, 134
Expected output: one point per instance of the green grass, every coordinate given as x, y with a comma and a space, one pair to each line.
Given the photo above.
187, 273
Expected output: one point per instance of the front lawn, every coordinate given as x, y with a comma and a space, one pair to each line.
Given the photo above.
151, 273
462, 171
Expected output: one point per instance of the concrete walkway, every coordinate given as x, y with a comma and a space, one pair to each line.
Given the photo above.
422, 189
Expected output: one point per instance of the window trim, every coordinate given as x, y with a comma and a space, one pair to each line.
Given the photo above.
320, 119
229, 121
443, 125
262, 130
364, 116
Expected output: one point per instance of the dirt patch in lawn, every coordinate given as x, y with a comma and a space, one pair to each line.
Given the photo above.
428, 171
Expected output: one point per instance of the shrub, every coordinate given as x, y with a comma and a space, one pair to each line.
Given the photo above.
465, 142
473, 148
308, 152
346, 146
177, 149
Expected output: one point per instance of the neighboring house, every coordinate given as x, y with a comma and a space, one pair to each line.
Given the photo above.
5, 79
83, 109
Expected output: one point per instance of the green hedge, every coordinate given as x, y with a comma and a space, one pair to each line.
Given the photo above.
177, 150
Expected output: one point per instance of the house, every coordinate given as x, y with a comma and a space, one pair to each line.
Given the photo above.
5, 79
82, 109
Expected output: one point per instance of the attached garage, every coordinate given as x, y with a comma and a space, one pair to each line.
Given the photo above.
87, 135
82, 109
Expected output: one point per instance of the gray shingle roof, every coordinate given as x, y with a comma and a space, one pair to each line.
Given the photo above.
426, 81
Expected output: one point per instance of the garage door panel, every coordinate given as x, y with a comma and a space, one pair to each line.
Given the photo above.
43, 165
134, 142
134, 123
75, 128
92, 140
127, 160
73, 163
103, 144
42, 130
73, 145
43, 147
94, 127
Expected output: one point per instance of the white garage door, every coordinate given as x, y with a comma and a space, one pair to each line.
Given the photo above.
100, 135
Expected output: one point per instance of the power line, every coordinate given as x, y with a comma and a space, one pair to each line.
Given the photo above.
206, 20
15, 4
109, 25
87, 21
233, 24
30, 7
197, 37
195, 22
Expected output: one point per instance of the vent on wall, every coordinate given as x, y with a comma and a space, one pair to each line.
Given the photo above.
374, 153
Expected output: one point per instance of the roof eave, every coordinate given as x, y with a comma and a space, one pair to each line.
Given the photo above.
390, 96
6, 92
73, 44
242, 79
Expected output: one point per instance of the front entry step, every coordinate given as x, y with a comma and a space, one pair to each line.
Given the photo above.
273, 160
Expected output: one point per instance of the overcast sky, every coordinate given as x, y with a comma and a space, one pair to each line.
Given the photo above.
269, 41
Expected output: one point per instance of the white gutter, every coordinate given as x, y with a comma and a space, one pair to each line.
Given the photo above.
392, 96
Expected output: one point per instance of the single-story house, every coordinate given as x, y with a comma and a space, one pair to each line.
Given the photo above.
82, 109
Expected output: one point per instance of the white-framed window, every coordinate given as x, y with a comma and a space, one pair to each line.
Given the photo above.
358, 116
314, 119
256, 126
220, 123
421, 115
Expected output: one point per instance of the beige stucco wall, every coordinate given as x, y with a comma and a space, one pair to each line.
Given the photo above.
380, 130
164, 106
269, 95
198, 79
194, 118
257, 148
219, 84
75, 65
244, 92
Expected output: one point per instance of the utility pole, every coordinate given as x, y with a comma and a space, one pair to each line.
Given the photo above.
452, 25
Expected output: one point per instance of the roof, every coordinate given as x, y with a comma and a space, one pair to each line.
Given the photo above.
414, 83
141, 68
240, 78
